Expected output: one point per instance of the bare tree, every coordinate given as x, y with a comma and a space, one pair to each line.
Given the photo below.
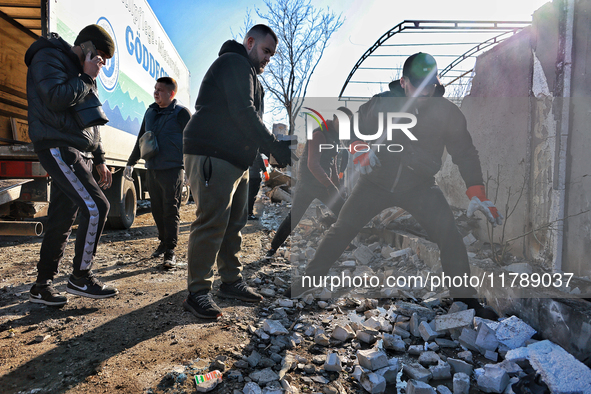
303, 32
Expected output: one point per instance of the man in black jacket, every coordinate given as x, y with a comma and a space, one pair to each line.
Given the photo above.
220, 142
165, 176
317, 179
391, 177
59, 77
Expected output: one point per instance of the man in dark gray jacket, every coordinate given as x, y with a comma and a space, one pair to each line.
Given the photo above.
220, 142
167, 119
59, 77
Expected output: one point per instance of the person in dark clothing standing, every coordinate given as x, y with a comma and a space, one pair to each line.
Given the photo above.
317, 178
165, 175
221, 141
59, 77
254, 184
406, 179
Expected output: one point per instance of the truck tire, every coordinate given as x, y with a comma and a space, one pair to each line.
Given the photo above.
123, 200
185, 192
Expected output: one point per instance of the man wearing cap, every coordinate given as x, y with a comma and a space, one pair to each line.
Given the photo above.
317, 178
406, 179
59, 77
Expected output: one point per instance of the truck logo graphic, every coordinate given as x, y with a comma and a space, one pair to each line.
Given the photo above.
110, 72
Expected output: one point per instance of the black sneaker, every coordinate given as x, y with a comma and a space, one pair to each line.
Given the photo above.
46, 294
271, 252
89, 286
240, 291
169, 259
159, 250
202, 305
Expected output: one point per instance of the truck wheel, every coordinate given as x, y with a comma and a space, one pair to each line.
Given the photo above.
123, 209
185, 192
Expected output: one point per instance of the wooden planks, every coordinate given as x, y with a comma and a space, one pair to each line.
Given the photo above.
14, 42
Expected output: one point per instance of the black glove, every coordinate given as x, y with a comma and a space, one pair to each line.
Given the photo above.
281, 152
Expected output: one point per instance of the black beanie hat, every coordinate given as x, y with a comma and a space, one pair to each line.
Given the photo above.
99, 37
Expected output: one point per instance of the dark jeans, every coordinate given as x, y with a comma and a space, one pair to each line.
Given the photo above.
254, 184
304, 194
73, 189
165, 188
425, 203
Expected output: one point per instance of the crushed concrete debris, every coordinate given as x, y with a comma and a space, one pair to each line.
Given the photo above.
421, 342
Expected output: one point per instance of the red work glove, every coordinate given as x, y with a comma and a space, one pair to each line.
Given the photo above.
363, 157
479, 202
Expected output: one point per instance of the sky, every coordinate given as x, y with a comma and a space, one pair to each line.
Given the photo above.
198, 28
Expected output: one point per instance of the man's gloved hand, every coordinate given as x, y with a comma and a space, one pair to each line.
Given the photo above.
281, 152
479, 202
363, 157
127, 172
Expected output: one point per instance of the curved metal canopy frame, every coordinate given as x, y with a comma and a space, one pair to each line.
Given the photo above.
507, 27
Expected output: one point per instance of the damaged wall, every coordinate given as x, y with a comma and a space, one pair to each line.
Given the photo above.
577, 242
514, 114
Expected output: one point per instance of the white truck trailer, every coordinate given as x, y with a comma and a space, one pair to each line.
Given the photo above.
143, 53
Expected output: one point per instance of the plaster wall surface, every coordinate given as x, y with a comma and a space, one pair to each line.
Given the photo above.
498, 115
577, 237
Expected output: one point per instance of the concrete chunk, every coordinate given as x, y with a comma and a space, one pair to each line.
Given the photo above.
373, 383
442, 342
486, 338
343, 333
397, 330
491, 355
372, 359
274, 327
251, 388
321, 340
494, 379
417, 372
368, 336
333, 363
391, 371
460, 366
468, 339
428, 358
454, 320
414, 325
559, 370
363, 255
440, 371
416, 350
461, 383
418, 387
254, 359
408, 308
514, 332
394, 342
441, 389
427, 333
457, 306
264, 376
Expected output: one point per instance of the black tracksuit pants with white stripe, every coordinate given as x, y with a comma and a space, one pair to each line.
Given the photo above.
73, 189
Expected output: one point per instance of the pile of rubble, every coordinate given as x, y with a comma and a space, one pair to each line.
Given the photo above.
354, 345
413, 341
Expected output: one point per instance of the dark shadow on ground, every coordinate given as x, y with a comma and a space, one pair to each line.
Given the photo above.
108, 341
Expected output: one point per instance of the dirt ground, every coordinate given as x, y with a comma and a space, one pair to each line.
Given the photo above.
131, 343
